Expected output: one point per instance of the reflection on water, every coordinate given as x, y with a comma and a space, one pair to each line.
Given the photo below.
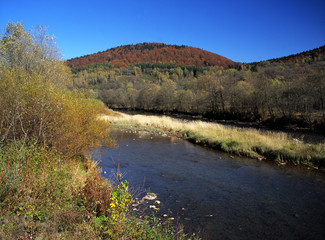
221, 196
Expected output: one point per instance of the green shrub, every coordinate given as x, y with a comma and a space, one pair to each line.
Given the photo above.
230, 145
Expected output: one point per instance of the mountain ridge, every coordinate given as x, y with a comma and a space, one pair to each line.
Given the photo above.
125, 55
314, 54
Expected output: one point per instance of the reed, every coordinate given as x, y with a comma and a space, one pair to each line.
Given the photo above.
253, 143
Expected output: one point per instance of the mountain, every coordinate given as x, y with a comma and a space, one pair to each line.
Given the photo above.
316, 54
153, 53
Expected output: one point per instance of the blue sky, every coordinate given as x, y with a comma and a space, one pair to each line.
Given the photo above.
243, 31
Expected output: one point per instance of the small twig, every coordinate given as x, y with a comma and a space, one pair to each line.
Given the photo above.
25, 133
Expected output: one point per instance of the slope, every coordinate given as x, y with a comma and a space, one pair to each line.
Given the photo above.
153, 53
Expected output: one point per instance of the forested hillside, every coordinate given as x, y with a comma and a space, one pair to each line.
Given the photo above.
306, 56
123, 56
290, 93
315, 55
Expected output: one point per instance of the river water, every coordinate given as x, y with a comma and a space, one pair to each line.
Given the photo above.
218, 195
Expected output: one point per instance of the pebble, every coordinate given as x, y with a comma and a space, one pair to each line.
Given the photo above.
150, 196
157, 202
153, 207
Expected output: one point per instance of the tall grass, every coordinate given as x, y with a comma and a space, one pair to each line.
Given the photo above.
246, 142
46, 196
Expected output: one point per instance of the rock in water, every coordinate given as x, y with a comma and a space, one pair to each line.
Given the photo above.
150, 196
153, 207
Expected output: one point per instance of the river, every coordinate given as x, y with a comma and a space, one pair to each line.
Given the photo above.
218, 195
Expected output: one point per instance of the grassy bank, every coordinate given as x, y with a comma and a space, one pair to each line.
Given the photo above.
252, 143
44, 196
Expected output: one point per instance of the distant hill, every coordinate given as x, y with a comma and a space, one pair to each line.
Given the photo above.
317, 54
152, 53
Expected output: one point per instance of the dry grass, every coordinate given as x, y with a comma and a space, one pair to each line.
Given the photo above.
212, 131
248, 142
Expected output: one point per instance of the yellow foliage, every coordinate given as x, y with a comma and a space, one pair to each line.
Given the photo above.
36, 110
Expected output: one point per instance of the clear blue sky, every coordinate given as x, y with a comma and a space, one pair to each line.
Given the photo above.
243, 31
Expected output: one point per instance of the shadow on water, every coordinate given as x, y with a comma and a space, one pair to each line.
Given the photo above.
221, 196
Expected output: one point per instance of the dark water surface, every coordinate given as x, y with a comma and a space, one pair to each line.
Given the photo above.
221, 196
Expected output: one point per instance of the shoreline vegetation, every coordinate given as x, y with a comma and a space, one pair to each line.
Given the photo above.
49, 188
253, 143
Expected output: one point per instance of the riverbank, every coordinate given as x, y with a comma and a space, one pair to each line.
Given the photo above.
44, 196
306, 135
261, 145
218, 194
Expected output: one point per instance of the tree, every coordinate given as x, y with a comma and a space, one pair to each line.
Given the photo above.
165, 97
35, 52
147, 97
184, 100
34, 104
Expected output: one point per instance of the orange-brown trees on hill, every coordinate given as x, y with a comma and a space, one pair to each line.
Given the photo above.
153, 52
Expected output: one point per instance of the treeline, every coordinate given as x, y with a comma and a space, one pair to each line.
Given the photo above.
290, 92
314, 55
124, 56
146, 46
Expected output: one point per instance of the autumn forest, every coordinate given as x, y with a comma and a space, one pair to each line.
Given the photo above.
287, 91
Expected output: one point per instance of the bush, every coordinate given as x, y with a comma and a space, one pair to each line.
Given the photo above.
35, 110
36, 105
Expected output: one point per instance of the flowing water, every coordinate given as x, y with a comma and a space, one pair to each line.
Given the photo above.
217, 195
